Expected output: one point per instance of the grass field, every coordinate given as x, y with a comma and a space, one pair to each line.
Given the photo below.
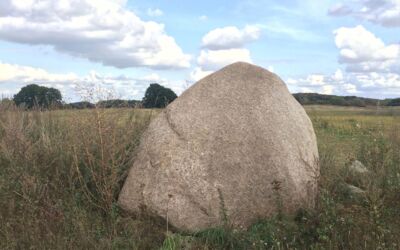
61, 172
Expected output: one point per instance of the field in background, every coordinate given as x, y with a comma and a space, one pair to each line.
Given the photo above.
61, 172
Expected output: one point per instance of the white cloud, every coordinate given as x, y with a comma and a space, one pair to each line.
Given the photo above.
222, 47
11, 73
372, 67
376, 80
230, 37
327, 89
323, 84
153, 78
362, 51
13, 77
353, 83
314, 83
350, 88
211, 60
154, 12
103, 31
198, 73
382, 12
215, 59
316, 80
338, 76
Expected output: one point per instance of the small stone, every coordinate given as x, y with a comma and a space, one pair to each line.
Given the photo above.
358, 167
355, 190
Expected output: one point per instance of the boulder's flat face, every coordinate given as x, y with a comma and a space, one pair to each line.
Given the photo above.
232, 147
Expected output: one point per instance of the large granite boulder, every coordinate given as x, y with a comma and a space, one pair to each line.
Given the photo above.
234, 148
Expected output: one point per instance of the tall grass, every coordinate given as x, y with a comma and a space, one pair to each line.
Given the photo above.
61, 172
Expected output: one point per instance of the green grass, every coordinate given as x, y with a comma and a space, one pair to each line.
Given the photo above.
61, 172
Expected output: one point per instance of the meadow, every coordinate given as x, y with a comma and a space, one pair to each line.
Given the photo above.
61, 172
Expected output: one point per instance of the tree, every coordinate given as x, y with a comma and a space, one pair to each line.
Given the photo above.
80, 105
118, 103
157, 96
394, 102
34, 95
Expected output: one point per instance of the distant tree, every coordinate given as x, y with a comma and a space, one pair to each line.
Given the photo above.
393, 102
35, 95
80, 105
117, 103
157, 96
319, 99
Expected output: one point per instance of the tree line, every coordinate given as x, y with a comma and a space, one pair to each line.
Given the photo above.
157, 96
35, 96
319, 99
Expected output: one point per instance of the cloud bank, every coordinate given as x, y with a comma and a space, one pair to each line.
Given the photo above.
102, 31
371, 67
13, 77
362, 51
230, 37
223, 46
382, 12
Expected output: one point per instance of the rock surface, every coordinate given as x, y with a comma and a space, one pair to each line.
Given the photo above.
358, 168
231, 148
355, 191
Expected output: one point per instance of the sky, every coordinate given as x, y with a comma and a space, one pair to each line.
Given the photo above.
116, 48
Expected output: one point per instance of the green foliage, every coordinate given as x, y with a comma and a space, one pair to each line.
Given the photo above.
117, 103
157, 96
355, 101
314, 98
394, 102
34, 95
79, 105
178, 241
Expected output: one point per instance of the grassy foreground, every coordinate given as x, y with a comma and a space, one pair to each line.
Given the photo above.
61, 172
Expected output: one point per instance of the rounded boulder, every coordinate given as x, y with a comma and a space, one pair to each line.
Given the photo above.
234, 148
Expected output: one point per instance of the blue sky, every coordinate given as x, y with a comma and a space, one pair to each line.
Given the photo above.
119, 47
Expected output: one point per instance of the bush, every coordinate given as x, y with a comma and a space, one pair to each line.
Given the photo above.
157, 96
34, 95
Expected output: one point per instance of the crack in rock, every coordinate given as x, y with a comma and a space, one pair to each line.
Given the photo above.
173, 126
